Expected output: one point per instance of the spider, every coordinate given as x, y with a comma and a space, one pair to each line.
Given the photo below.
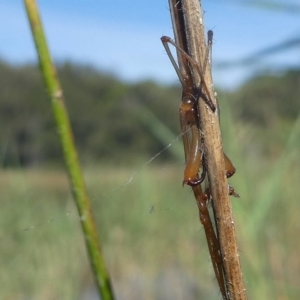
189, 115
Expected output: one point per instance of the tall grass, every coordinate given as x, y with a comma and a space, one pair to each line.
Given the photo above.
267, 212
153, 242
152, 239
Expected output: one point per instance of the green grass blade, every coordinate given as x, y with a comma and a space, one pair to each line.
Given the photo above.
70, 154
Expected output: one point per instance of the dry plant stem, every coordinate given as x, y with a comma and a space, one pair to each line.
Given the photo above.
70, 154
193, 19
179, 34
186, 78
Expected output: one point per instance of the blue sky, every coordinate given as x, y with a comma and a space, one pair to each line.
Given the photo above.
124, 36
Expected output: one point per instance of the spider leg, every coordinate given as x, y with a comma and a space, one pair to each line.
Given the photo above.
165, 41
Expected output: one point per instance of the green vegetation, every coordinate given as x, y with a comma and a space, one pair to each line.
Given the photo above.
101, 109
111, 119
151, 235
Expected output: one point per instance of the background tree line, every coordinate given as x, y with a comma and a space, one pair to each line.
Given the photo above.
117, 121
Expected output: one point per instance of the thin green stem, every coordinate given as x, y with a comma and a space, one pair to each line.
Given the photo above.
70, 154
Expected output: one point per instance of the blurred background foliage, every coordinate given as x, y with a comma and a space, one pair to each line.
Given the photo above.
106, 114
149, 224
121, 123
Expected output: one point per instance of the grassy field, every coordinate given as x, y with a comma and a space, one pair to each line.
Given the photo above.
152, 239
151, 236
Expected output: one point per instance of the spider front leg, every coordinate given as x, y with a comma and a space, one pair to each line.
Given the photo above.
213, 242
206, 97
